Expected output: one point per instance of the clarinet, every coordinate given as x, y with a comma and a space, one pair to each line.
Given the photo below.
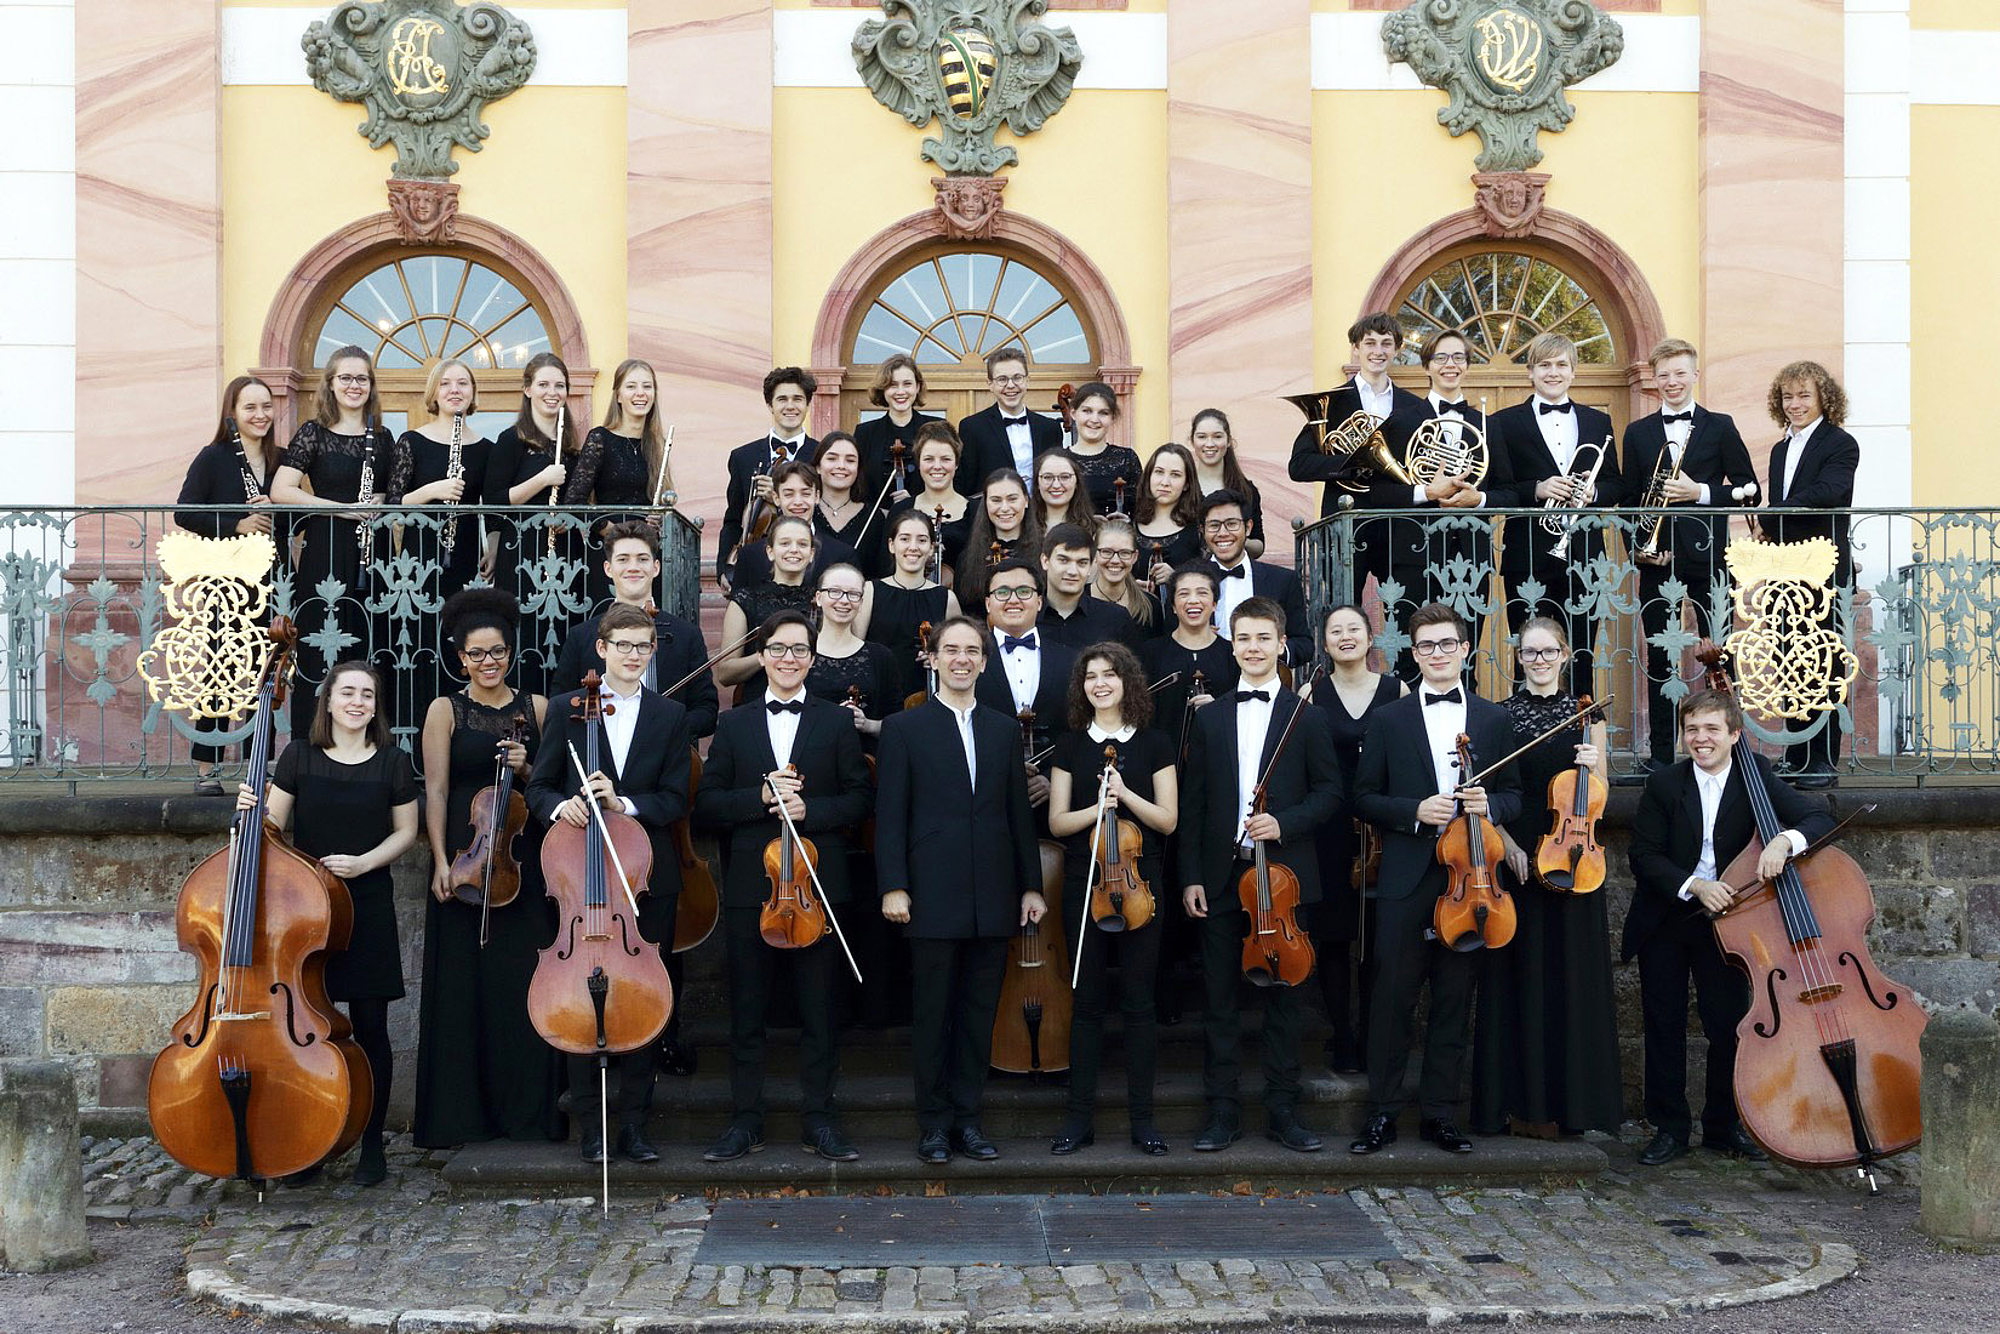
454, 469
555, 492
251, 489
367, 531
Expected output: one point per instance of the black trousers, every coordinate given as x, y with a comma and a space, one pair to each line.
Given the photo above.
954, 991
1404, 961
1222, 934
1137, 955
1683, 950
1821, 751
630, 1074
1654, 614
1555, 578
751, 963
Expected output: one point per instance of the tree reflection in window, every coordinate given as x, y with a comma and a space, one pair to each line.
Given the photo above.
952, 309
418, 308
1499, 300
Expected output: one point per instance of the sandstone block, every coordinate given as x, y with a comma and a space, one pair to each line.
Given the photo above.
41, 1168
113, 1020
20, 1021
1961, 1095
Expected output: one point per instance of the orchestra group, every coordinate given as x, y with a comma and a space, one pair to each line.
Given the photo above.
956, 649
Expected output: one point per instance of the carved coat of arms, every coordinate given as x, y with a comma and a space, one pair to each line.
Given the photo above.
972, 65
425, 70
1505, 64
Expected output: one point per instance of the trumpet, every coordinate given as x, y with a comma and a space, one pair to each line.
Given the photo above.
1358, 440
1653, 529
1436, 452
1581, 486
454, 468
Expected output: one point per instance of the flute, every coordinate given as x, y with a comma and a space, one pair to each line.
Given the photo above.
555, 492
660, 492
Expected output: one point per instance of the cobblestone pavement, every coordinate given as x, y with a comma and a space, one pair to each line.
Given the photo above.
412, 1256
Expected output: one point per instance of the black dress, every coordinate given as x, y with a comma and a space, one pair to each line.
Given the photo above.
893, 623
346, 809
216, 477
482, 1070
1176, 548
1102, 473
760, 602
332, 466
419, 666
872, 439
1546, 1035
609, 470
552, 598
1337, 918
871, 670
1163, 656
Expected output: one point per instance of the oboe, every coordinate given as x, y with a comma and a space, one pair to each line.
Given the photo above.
367, 532
555, 492
454, 468
251, 488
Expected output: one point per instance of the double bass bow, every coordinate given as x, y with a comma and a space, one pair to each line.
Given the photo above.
1827, 1059
1031, 1023
487, 874
1475, 911
1276, 952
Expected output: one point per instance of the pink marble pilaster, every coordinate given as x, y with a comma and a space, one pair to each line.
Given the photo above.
148, 245
699, 201
1239, 187
1772, 201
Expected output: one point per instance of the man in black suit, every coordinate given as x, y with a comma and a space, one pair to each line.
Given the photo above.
804, 752
632, 563
642, 771
1070, 615
788, 393
1005, 434
1541, 439
1024, 668
1694, 819
956, 858
1703, 461
1374, 340
1408, 787
1813, 467
1224, 530
1232, 747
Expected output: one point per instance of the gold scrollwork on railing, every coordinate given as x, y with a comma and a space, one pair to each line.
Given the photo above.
1790, 663
209, 661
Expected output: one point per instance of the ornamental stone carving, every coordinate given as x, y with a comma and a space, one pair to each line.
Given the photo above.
1509, 202
1505, 64
426, 212
972, 65
424, 69
969, 205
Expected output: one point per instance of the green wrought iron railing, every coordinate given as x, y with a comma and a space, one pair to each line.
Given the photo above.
81, 600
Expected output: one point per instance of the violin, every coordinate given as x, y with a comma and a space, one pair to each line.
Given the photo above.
1157, 553
856, 700
1031, 1025
1367, 868
262, 1077
897, 473
1121, 900
1066, 409
1827, 1059
1198, 686
1276, 953
600, 987
792, 917
487, 874
1569, 859
758, 514
1118, 499
1474, 912
916, 697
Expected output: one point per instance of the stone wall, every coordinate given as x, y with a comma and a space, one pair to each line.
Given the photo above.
90, 971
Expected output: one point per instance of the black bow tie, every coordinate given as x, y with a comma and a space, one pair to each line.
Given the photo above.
1230, 571
1459, 406
1451, 696
1021, 420
1546, 408
1677, 417
784, 706
1244, 695
1008, 643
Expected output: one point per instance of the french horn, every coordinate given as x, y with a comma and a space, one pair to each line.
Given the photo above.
1358, 440
1434, 452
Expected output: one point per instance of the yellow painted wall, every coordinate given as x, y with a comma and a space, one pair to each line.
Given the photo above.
1977, 15
1952, 284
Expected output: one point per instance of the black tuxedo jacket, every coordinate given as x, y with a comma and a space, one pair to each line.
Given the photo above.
1715, 455
1304, 792
983, 446
746, 462
1825, 481
1396, 774
682, 649
1282, 586
837, 792
655, 778
1666, 839
964, 850
1513, 432
874, 437
1407, 411
1051, 696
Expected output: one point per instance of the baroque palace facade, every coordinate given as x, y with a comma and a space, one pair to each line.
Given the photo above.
713, 185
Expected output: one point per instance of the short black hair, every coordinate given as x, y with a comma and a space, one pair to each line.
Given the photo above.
784, 375
1065, 537
1201, 570
1216, 500
778, 620
481, 607
1014, 564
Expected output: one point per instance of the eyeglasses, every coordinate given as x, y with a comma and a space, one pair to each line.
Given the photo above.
476, 655
1450, 359
631, 648
352, 381
1540, 654
1010, 594
1117, 553
841, 595
1223, 526
782, 651
1010, 379
1434, 648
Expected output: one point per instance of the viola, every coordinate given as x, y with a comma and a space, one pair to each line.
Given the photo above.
1066, 409
1569, 858
1121, 899
792, 917
262, 1077
600, 987
1827, 1059
1276, 952
1031, 1025
487, 874
1198, 686
1475, 911
758, 514
916, 697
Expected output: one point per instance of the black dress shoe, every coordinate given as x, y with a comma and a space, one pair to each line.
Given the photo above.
830, 1144
1147, 1141
674, 1059
1288, 1132
634, 1146
372, 1168
969, 1141
1343, 1053
1217, 1135
1814, 779
1378, 1134
302, 1178
1445, 1135
1071, 1138
1662, 1149
933, 1146
733, 1144
592, 1146
1735, 1142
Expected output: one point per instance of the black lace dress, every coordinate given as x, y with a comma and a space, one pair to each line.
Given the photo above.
1102, 473
759, 603
1545, 1043
421, 671
552, 598
482, 1070
333, 465
609, 470
871, 670
893, 623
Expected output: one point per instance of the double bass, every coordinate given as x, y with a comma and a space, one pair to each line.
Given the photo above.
262, 1077
487, 874
1031, 1025
1827, 1059
1475, 911
1276, 952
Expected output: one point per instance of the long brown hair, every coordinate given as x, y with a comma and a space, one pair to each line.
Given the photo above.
1136, 709
1233, 476
326, 408
524, 422
652, 435
322, 723
226, 429
1187, 510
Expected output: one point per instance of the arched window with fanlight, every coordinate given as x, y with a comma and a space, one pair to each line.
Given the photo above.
949, 308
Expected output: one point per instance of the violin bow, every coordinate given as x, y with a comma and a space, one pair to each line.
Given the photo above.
604, 830
1090, 872
1583, 712
1163, 683
792, 832
1290, 723
875, 510
720, 654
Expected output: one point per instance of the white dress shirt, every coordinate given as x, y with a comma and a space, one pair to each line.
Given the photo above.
1375, 402
794, 446
1230, 591
1023, 665
1677, 442
1454, 427
1021, 440
1796, 450
1709, 787
783, 726
1253, 721
1558, 431
1442, 725
620, 722
963, 717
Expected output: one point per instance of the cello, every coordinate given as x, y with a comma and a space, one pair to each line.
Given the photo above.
1276, 953
1031, 1025
1568, 858
1475, 911
262, 1077
699, 906
487, 874
1827, 1059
